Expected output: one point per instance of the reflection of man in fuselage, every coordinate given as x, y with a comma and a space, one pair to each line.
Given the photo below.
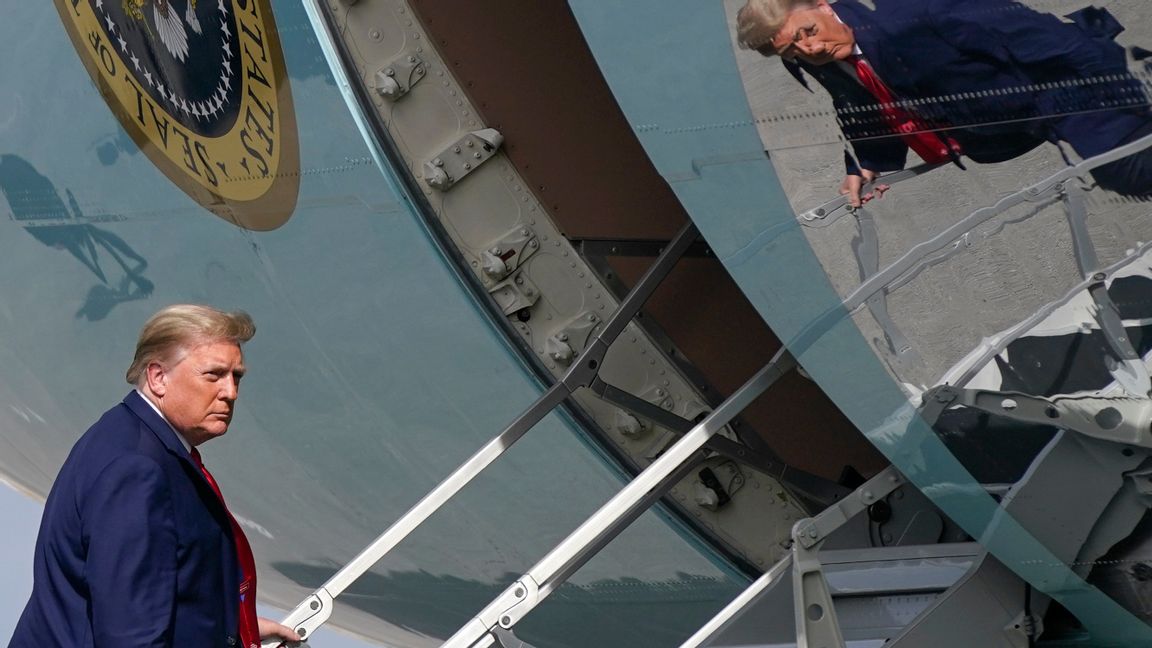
987, 79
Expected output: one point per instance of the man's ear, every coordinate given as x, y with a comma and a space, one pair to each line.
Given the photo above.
823, 6
157, 378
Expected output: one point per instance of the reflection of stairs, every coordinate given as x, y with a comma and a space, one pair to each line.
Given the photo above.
1063, 187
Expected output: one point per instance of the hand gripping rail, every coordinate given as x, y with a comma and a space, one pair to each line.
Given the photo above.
315, 610
831, 211
533, 587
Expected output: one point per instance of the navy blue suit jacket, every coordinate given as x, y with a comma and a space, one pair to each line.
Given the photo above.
999, 76
134, 548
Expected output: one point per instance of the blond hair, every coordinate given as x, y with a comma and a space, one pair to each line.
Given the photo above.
758, 21
172, 331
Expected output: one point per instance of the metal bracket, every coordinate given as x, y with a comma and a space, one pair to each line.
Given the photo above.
312, 613
572, 338
1029, 625
629, 426
660, 397
816, 623
1120, 419
395, 79
647, 407
812, 531
461, 158
507, 253
515, 293
517, 601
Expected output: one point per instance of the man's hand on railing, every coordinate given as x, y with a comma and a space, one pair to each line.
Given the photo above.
854, 183
270, 629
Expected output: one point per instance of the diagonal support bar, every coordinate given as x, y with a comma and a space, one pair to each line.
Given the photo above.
1129, 371
524, 595
814, 490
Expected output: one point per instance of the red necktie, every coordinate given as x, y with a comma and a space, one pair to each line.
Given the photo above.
915, 132
249, 628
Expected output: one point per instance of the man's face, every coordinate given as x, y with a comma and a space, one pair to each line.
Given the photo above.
200, 390
814, 35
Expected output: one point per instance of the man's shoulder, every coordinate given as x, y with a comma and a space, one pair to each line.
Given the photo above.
117, 433
118, 426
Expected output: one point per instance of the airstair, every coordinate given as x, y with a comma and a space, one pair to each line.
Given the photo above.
825, 592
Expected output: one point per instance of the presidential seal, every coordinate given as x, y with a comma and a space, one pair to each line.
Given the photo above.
200, 86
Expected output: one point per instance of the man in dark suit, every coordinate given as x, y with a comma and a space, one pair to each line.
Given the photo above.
987, 79
137, 547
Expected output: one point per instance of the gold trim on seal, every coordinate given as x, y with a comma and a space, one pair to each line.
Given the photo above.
248, 175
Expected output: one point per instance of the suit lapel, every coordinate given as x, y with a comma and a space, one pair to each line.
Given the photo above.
167, 437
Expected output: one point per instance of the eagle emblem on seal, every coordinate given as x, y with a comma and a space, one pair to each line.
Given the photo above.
171, 26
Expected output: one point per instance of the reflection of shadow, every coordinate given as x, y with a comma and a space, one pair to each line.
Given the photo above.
1048, 363
109, 149
38, 206
615, 613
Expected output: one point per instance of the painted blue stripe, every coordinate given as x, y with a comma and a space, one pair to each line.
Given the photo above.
671, 67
